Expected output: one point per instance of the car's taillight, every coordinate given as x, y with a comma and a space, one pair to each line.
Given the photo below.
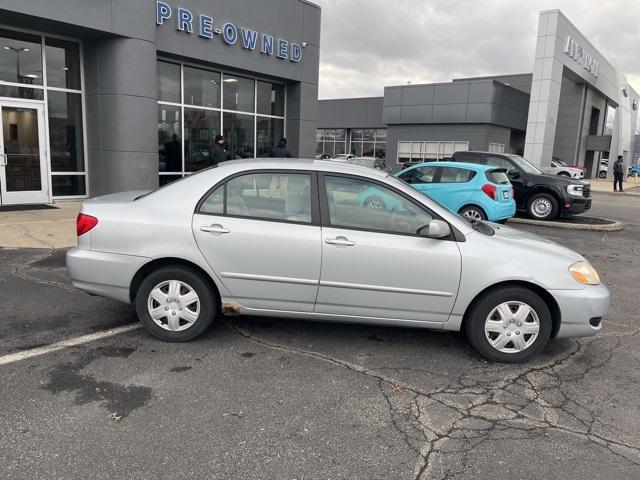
84, 223
491, 191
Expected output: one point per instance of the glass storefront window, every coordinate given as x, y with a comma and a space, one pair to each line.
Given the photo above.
239, 134
200, 129
239, 93
63, 64
68, 185
369, 142
21, 92
270, 98
269, 133
201, 87
20, 58
165, 179
169, 138
65, 132
168, 82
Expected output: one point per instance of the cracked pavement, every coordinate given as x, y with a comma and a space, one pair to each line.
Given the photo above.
273, 398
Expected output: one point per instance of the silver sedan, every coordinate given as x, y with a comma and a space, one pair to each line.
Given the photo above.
291, 238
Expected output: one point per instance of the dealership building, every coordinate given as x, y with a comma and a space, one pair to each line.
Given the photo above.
574, 106
101, 96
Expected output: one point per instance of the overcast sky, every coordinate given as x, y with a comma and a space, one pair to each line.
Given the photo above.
367, 44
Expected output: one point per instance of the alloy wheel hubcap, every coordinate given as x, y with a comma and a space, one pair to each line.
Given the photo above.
512, 327
174, 305
374, 203
541, 207
473, 214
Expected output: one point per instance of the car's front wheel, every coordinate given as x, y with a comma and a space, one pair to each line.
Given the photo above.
564, 174
175, 304
509, 325
602, 174
543, 206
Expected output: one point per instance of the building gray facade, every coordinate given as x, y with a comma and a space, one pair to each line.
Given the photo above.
574, 106
99, 96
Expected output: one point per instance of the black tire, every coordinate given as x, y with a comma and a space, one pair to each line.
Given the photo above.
479, 312
564, 174
371, 201
551, 206
208, 303
602, 174
473, 210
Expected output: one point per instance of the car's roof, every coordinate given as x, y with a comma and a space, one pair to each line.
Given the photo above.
299, 164
471, 166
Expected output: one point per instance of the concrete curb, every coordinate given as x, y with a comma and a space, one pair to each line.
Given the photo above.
617, 194
615, 226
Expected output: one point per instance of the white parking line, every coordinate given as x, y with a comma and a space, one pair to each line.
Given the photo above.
72, 342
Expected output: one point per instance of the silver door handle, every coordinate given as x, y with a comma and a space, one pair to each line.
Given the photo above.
342, 241
215, 229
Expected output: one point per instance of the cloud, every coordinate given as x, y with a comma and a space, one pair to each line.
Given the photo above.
367, 45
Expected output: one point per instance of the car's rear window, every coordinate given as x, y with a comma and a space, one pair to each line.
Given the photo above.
497, 176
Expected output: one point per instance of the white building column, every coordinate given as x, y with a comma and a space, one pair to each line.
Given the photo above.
545, 93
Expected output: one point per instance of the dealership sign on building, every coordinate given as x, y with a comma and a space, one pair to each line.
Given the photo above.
580, 55
207, 28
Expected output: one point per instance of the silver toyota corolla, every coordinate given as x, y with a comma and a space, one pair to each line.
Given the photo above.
288, 238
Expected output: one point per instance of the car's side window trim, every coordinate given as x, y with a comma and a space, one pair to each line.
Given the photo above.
325, 216
315, 208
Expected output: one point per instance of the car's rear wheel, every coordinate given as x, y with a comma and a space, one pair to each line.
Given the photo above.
375, 202
602, 174
175, 304
543, 206
509, 325
473, 213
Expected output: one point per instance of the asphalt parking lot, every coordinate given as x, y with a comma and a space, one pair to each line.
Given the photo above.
281, 399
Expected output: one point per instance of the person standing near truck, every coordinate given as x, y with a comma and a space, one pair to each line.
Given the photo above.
618, 173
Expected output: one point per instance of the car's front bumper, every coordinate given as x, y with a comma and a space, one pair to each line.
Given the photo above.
578, 308
576, 204
104, 274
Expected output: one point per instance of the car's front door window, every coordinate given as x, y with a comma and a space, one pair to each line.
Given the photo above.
364, 205
419, 175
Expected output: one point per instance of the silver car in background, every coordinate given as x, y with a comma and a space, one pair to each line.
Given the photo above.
287, 238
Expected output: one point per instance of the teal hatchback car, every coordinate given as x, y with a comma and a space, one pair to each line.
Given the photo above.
477, 192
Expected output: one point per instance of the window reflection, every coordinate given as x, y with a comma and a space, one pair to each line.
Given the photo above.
65, 132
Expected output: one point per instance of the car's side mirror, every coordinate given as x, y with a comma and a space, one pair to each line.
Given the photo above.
435, 229
513, 174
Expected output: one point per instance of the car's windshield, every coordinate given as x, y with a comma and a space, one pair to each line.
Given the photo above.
524, 164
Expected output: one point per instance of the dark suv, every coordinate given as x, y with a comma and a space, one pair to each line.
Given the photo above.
543, 197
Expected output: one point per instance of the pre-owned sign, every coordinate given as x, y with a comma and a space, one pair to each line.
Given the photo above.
231, 34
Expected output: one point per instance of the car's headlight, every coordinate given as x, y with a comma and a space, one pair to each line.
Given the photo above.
575, 190
584, 273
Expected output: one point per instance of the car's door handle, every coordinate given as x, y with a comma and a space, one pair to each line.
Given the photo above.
214, 229
342, 241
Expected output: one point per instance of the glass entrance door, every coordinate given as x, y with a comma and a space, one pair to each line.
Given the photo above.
23, 166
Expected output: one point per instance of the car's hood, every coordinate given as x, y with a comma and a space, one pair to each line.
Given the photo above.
559, 179
514, 238
122, 197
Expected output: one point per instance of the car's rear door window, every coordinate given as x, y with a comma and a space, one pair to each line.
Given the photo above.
456, 175
269, 196
363, 205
